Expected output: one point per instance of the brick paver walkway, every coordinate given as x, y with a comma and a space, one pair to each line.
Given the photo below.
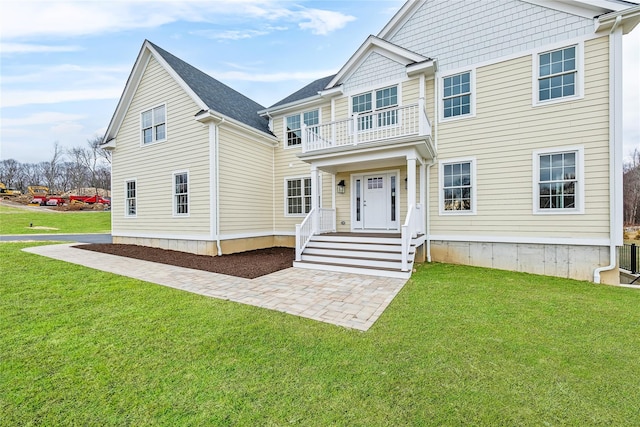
344, 299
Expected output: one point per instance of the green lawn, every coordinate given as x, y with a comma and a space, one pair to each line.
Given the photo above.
458, 346
21, 221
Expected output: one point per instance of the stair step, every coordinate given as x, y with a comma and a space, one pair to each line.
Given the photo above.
392, 240
356, 269
345, 252
355, 260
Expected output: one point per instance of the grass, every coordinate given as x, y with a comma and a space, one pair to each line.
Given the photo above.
458, 346
21, 221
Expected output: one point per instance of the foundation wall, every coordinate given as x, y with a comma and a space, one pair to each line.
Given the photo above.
573, 262
210, 247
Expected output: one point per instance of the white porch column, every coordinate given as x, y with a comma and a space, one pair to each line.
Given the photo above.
423, 197
314, 197
411, 182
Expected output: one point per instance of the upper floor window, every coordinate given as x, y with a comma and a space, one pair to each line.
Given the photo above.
558, 181
385, 99
456, 95
457, 182
294, 126
131, 198
557, 74
154, 126
181, 193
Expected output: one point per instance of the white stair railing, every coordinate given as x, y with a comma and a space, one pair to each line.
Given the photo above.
408, 230
304, 231
317, 221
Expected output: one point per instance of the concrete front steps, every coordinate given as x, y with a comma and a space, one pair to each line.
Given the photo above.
373, 254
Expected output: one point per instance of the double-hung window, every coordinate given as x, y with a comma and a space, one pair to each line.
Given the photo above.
456, 95
383, 114
557, 74
131, 198
558, 181
154, 124
457, 182
298, 196
181, 193
294, 126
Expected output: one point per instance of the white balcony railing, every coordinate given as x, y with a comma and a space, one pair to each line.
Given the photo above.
366, 128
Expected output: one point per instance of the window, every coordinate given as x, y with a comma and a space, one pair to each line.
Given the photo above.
457, 180
298, 195
385, 99
154, 126
181, 193
557, 74
558, 181
456, 98
130, 198
294, 127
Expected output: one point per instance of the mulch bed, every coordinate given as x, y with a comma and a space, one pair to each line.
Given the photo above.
249, 265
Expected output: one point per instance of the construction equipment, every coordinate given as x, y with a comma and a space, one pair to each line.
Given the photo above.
8, 192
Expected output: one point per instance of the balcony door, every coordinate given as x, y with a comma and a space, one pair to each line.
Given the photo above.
375, 202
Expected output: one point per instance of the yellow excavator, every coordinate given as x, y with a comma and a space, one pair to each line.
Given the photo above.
8, 192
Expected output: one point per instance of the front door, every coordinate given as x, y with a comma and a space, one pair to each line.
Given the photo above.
375, 204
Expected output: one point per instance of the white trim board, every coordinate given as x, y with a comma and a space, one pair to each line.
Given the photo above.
570, 241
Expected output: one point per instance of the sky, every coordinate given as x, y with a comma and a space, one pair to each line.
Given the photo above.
64, 64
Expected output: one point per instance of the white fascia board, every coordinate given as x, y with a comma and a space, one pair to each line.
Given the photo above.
573, 7
630, 19
427, 68
399, 18
383, 47
210, 115
330, 93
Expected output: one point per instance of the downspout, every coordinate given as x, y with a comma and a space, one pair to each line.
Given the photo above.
218, 187
428, 207
615, 155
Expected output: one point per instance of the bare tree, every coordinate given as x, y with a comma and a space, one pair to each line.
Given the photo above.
9, 172
51, 169
631, 189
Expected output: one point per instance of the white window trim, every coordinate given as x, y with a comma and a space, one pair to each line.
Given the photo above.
126, 205
474, 186
579, 84
173, 194
286, 204
579, 209
285, 142
472, 81
166, 127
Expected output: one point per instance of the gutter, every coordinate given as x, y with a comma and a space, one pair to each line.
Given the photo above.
615, 154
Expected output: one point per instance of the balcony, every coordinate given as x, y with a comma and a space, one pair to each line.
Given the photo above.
382, 126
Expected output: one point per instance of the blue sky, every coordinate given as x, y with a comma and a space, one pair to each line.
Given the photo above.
63, 65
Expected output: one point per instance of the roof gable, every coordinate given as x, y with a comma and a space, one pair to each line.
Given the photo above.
207, 92
381, 47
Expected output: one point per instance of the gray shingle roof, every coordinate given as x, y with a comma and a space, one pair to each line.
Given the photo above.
216, 95
309, 90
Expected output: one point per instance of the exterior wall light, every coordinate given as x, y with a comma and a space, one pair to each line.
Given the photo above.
341, 186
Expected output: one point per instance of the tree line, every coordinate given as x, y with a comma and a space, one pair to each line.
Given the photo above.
66, 170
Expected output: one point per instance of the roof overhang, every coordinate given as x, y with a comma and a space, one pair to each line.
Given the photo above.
209, 116
628, 18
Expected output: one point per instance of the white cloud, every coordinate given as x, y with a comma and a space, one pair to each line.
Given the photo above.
230, 35
16, 48
323, 22
16, 98
27, 19
42, 118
